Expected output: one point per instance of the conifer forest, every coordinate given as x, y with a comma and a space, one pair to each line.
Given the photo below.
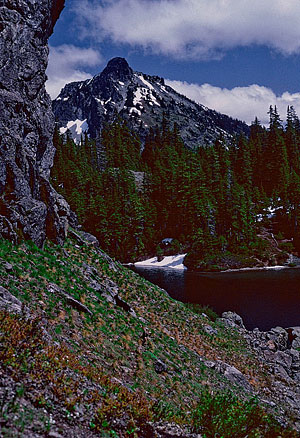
211, 201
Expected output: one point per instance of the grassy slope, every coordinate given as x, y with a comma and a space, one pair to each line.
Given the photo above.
77, 374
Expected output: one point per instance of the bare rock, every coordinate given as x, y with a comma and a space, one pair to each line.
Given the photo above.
283, 359
160, 367
233, 319
171, 430
53, 288
90, 239
210, 330
294, 337
232, 374
280, 337
9, 302
84, 238
29, 206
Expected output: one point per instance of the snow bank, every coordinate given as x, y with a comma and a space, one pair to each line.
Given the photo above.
257, 268
174, 262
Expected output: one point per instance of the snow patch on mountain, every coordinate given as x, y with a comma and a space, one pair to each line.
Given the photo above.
135, 110
148, 85
138, 96
76, 127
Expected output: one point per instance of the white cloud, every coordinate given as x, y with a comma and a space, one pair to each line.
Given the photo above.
244, 103
67, 63
197, 29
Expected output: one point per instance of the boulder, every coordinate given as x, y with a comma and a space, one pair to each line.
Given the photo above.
279, 336
294, 337
160, 367
232, 374
84, 238
283, 359
233, 319
9, 302
210, 330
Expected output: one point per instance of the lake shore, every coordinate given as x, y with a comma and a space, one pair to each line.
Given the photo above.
176, 262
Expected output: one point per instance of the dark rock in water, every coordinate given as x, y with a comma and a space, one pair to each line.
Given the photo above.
29, 207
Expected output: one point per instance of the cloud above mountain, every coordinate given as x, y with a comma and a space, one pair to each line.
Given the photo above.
68, 63
193, 29
244, 103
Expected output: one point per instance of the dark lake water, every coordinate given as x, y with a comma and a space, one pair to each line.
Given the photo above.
264, 299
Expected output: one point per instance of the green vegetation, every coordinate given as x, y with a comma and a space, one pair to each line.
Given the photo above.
101, 369
212, 201
226, 416
206, 310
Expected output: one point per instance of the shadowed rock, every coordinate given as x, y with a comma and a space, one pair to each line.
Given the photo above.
9, 302
29, 207
56, 290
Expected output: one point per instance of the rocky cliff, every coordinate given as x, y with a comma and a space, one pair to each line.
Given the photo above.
29, 207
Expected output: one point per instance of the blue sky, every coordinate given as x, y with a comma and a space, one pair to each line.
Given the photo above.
235, 56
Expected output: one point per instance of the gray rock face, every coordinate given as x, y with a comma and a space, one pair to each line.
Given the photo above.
29, 207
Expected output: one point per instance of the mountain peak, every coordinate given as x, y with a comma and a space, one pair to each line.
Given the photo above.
142, 101
118, 68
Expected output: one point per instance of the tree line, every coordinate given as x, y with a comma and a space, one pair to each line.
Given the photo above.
211, 200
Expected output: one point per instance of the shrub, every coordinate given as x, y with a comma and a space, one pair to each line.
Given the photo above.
286, 246
199, 309
224, 415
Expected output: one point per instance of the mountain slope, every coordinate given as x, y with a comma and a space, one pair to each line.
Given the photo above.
140, 99
88, 348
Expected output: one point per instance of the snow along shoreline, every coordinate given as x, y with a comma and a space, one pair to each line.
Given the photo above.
172, 262
176, 262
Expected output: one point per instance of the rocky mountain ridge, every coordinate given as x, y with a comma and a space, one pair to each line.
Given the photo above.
29, 207
142, 101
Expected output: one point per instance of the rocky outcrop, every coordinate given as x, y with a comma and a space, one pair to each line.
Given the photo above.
29, 207
9, 302
279, 356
